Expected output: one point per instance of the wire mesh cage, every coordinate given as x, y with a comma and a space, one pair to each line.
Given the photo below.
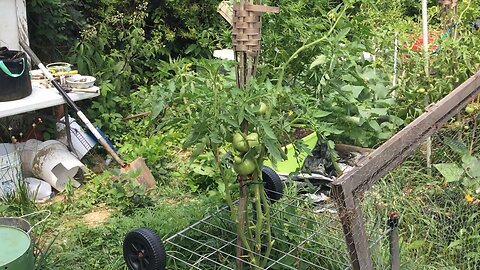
306, 233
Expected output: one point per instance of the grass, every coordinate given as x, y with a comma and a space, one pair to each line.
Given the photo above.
438, 228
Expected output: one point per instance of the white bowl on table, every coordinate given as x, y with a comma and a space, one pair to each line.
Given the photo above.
80, 81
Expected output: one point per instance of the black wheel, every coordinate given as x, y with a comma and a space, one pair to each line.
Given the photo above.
273, 184
144, 250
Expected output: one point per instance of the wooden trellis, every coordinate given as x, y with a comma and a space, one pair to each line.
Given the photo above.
247, 35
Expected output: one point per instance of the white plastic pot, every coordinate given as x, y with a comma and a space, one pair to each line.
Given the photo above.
38, 190
27, 152
56, 165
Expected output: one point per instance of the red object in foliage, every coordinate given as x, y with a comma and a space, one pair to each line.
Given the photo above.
417, 46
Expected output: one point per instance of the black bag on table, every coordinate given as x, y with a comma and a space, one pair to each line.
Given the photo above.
14, 75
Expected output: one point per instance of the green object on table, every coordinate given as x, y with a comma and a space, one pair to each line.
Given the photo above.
7, 71
290, 165
15, 249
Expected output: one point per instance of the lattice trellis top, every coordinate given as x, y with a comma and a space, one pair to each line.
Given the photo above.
452, 3
247, 26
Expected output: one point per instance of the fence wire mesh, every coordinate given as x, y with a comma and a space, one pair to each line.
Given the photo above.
431, 182
438, 205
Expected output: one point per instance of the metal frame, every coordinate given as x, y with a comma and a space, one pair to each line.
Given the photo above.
350, 187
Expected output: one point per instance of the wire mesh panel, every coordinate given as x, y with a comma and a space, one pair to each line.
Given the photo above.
306, 234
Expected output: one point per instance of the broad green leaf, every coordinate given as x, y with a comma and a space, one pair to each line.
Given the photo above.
373, 124
198, 150
354, 89
381, 91
471, 183
349, 78
369, 75
379, 111
450, 171
364, 112
157, 108
320, 114
320, 60
471, 165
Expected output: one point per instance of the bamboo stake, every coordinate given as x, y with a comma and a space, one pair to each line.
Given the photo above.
427, 73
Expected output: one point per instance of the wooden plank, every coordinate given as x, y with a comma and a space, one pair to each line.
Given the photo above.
226, 10
353, 229
394, 151
262, 8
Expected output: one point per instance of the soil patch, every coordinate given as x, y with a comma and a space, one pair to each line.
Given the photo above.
97, 217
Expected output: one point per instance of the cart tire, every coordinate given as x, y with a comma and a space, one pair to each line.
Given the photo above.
144, 250
273, 184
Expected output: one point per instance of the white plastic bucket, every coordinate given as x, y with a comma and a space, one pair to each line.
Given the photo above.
56, 165
10, 169
27, 151
38, 190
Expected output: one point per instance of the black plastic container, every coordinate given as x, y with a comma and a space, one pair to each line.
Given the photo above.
14, 75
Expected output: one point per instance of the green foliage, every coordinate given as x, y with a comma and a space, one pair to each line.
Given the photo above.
331, 68
120, 191
53, 26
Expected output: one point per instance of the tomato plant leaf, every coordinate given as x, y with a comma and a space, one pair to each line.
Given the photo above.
268, 130
320, 114
199, 149
320, 60
240, 117
273, 150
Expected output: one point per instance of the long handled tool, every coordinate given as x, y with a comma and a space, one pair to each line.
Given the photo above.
145, 176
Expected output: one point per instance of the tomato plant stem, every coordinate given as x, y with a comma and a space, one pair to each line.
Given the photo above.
242, 212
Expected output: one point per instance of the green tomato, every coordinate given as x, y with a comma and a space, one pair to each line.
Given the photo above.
237, 160
244, 168
239, 143
421, 90
470, 109
263, 109
252, 139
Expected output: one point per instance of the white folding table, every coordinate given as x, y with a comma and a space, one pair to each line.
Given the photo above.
39, 99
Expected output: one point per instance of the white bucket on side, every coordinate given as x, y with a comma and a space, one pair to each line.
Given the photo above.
10, 169
38, 190
56, 165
